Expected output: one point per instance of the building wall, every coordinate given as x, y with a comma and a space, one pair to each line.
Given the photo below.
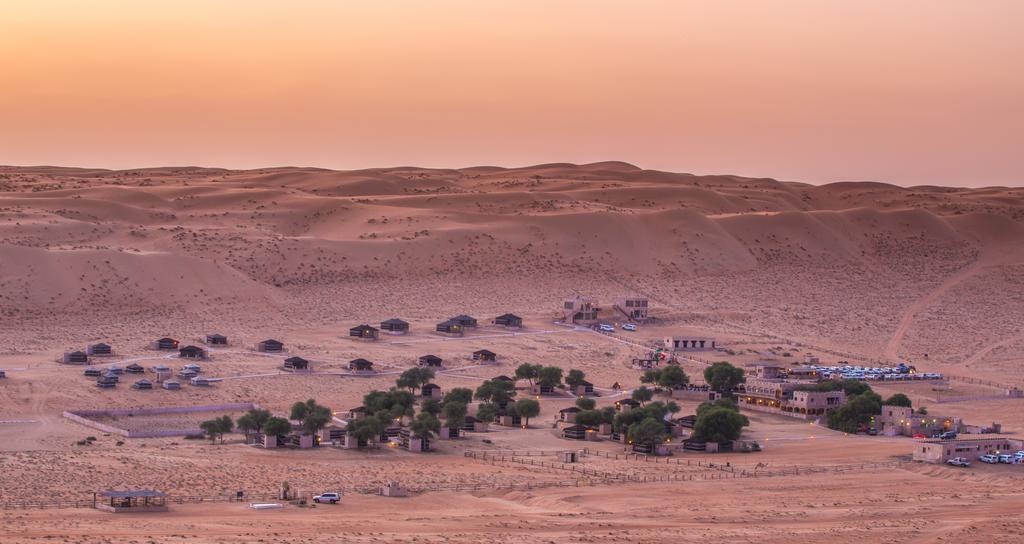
941, 451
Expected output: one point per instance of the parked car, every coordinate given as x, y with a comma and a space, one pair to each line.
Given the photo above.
919, 435
628, 327
604, 327
989, 458
958, 462
1006, 458
948, 435
873, 431
333, 498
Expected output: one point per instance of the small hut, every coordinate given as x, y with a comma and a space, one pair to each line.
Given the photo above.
431, 391
360, 365
142, 384
171, 385
474, 424
541, 389
511, 321
465, 320
450, 328
625, 404
93, 373
106, 382
200, 381
76, 358
584, 389
364, 332
142, 500
3, 373
163, 372
357, 412
216, 340
430, 361
393, 489
166, 344
134, 368
484, 355
192, 352
394, 326
502, 378
114, 370
296, 364
99, 350
413, 443
270, 346
568, 415
575, 432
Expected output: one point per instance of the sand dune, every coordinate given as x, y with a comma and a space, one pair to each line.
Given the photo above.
854, 270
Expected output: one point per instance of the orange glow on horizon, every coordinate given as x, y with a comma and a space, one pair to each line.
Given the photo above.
911, 92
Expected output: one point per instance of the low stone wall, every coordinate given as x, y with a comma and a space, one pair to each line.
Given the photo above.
83, 417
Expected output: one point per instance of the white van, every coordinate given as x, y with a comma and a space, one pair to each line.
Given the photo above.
604, 327
628, 327
989, 458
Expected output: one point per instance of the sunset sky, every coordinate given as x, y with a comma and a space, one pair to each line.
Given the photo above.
909, 92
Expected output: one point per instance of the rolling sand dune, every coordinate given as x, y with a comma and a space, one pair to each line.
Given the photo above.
857, 271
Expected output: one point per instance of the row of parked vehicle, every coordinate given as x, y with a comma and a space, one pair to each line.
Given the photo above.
990, 458
605, 327
902, 372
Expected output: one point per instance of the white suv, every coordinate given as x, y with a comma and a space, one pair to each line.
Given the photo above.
989, 458
333, 498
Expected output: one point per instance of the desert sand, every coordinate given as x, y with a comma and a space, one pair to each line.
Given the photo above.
859, 271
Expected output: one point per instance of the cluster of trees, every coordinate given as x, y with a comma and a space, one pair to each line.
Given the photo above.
719, 421
591, 417
644, 424
414, 378
724, 377
862, 404
382, 408
545, 376
217, 428
669, 377
253, 421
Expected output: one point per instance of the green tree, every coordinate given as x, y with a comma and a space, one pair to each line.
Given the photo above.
589, 418
455, 414
497, 391
487, 411
252, 421
217, 428
312, 415
550, 376
898, 399
651, 376
718, 424
366, 429
608, 414
856, 413
277, 426
672, 377
724, 402
575, 378
643, 394
425, 425
648, 431
414, 378
723, 377
527, 408
458, 394
528, 372
585, 403
431, 406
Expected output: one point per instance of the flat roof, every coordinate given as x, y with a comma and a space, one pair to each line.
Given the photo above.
126, 494
953, 440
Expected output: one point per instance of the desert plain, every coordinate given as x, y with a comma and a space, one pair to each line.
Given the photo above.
863, 272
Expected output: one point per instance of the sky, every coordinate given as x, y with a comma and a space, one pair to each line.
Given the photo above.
908, 92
